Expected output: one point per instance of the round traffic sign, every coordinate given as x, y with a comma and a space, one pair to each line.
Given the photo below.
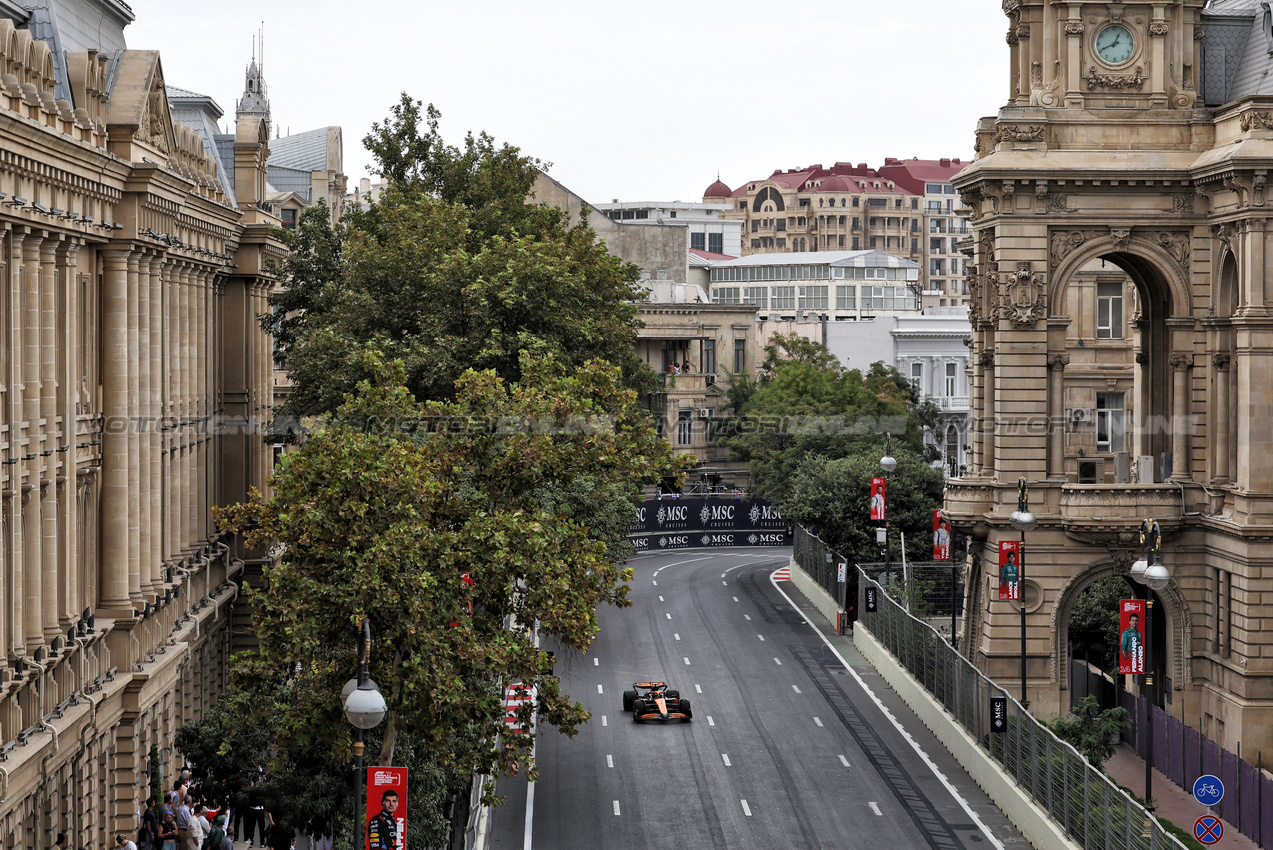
1208, 790
1208, 829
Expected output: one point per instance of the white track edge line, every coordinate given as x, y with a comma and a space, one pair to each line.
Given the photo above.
896, 724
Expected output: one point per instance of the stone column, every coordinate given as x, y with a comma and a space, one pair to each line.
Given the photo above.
1220, 402
32, 524
51, 438
1074, 57
1056, 418
986, 427
183, 409
114, 593
1022, 50
155, 414
72, 601
1180, 364
169, 410
136, 589
141, 404
1158, 29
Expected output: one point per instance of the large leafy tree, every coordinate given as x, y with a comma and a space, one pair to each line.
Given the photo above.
814, 432
451, 269
384, 511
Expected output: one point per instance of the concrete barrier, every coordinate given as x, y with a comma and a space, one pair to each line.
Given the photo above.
1033, 822
815, 593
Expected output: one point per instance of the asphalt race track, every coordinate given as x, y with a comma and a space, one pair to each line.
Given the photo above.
787, 749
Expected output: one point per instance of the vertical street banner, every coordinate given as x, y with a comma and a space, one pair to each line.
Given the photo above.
877, 499
1009, 570
386, 808
941, 536
1131, 636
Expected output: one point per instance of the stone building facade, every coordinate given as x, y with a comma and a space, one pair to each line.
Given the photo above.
1129, 163
134, 382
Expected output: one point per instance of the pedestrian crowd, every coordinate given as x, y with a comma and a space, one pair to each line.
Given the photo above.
183, 820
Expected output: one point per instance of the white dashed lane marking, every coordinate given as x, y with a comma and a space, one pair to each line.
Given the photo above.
710, 721
725, 757
735, 598
675, 635
603, 720
698, 689
609, 761
616, 808
665, 614
776, 661
875, 808
596, 662
599, 690
817, 720
687, 661
746, 616
762, 637
660, 598
844, 761
796, 688
746, 808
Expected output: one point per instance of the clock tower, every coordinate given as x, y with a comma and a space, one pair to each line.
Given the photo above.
1104, 55
1120, 280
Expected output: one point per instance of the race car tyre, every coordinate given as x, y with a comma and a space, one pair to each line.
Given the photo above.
638, 707
673, 694
629, 697
686, 710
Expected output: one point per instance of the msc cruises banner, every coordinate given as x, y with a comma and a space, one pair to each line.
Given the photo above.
687, 523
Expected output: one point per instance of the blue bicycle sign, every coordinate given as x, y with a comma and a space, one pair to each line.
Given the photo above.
1208, 790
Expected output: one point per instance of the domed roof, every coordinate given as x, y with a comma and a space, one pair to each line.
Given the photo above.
718, 190
834, 183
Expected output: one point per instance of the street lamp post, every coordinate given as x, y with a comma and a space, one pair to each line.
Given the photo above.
1022, 520
888, 463
364, 708
1149, 571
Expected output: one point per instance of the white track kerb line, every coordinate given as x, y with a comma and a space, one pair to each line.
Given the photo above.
963, 804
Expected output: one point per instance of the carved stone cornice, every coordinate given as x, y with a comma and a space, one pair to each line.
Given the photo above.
1058, 361
1121, 237
1019, 133
1012, 39
1010, 7
1054, 202
1023, 30
1064, 243
1182, 202
1256, 120
1074, 28
1221, 362
1115, 81
986, 359
1158, 29
1227, 233
1240, 186
1180, 362
1022, 297
1175, 244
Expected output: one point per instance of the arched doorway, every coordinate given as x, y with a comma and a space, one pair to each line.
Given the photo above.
1117, 350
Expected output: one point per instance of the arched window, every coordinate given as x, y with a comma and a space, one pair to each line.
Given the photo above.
768, 194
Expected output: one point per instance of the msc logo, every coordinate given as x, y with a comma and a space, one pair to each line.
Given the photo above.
764, 513
641, 543
718, 539
676, 513
717, 513
770, 539
679, 540
640, 516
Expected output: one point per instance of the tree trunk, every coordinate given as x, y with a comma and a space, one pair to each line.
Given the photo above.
391, 737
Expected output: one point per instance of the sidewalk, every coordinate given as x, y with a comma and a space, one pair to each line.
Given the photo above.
1174, 803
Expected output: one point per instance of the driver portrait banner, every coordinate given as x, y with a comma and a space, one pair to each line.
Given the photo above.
386, 808
1009, 570
877, 499
1131, 636
941, 536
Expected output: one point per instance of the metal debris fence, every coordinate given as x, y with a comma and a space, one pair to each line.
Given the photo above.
1093, 812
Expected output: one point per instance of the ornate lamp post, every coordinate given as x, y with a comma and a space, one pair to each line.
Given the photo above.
1022, 520
1148, 570
888, 463
364, 708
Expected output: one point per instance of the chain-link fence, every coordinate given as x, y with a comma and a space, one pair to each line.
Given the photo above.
1094, 813
819, 560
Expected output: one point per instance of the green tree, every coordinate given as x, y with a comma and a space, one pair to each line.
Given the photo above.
1093, 624
383, 512
452, 269
1090, 729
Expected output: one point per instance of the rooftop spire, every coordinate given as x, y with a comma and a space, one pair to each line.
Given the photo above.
255, 100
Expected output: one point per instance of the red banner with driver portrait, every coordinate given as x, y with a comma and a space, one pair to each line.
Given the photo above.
877, 499
1131, 636
386, 808
941, 536
1009, 570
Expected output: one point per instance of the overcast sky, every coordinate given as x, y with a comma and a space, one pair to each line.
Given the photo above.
626, 100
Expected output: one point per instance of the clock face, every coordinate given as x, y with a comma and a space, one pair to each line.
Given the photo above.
1114, 44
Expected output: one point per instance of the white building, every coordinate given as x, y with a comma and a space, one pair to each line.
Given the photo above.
710, 232
842, 285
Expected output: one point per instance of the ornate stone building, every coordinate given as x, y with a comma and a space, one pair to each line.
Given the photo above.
1121, 300
134, 382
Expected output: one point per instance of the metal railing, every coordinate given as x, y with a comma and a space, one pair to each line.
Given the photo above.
818, 560
1093, 812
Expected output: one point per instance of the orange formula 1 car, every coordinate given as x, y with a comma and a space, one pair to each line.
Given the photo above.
653, 701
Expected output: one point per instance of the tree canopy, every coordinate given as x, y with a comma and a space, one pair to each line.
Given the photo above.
814, 432
383, 512
450, 269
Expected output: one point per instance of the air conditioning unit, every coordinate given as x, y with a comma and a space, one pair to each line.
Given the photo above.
1079, 415
1091, 470
704, 413
1122, 467
1144, 469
